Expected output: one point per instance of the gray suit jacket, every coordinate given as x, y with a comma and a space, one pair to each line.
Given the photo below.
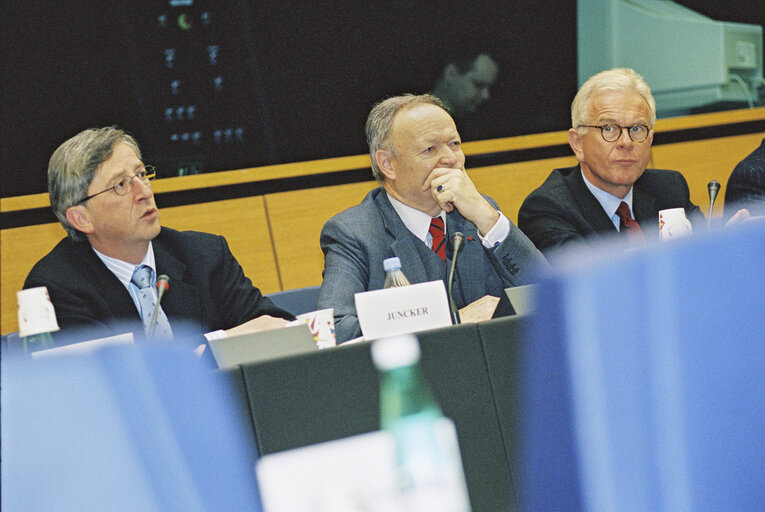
355, 243
563, 213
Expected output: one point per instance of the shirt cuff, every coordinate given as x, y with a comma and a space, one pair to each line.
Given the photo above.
497, 233
216, 335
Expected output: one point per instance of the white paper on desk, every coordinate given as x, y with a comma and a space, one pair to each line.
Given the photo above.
403, 309
347, 475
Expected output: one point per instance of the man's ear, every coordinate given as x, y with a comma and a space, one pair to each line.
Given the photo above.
79, 218
384, 159
575, 141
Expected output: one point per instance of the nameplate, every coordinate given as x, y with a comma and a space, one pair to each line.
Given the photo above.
404, 309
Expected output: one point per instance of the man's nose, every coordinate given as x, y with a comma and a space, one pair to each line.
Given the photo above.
449, 156
624, 137
141, 189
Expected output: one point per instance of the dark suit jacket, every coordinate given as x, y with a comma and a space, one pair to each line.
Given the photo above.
563, 213
746, 184
355, 243
208, 289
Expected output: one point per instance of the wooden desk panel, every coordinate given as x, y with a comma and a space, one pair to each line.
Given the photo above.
296, 220
21, 249
509, 184
702, 161
244, 224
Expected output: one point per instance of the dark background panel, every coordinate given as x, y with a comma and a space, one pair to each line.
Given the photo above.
286, 83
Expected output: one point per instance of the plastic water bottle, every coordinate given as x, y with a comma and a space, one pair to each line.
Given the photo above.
427, 452
393, 274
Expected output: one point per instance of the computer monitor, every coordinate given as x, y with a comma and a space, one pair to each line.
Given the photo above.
688, 59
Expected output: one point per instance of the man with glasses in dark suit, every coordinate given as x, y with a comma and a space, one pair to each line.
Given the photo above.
100, 190
610, 192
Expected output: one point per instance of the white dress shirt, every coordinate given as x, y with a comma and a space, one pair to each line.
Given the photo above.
418, 223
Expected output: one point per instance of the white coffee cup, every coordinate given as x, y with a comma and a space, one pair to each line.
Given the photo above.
322, 326
36, 313
673, 224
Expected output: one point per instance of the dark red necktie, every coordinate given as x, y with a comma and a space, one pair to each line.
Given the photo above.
628, 225
437, 232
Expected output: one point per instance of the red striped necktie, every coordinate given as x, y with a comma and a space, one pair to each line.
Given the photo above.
627, 225
437, 232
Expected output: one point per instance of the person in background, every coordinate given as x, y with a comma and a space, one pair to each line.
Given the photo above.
610, 191
425, 195
746, 184
102, 277
464, 85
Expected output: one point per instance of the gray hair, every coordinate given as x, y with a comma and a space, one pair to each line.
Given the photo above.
381, 118
74, 164
612, 80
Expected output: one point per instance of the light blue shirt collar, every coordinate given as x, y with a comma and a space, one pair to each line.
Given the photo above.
124, 271
609, 202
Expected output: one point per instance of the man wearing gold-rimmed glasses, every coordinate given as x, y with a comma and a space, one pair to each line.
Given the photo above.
101, 278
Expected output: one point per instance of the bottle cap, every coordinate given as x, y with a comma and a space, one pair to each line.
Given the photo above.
392, 264
36, 313
395, 352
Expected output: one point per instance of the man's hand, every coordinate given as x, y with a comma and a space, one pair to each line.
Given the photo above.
452, 188
740, 217
261, 323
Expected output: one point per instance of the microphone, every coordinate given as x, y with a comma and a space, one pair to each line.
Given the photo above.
457, 242
163, 284
714, 188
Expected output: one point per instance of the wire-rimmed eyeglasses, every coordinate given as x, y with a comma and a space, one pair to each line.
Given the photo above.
125, 184
612, 132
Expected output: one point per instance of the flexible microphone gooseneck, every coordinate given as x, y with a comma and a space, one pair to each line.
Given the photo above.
457, 242
714, 188
163, 284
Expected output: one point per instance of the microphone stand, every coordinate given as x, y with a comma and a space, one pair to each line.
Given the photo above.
713, 187
457, 240
162, 285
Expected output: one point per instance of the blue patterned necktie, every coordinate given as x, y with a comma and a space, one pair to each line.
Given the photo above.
147, 299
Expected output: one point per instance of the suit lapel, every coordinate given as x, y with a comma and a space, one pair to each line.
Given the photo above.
591, 209
106, 282
402, 241
181, 301
644, 206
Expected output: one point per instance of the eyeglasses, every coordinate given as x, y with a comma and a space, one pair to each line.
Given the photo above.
125, 184
612, 132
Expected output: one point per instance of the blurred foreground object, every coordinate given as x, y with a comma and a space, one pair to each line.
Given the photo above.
644, 380
427, 452
123, 428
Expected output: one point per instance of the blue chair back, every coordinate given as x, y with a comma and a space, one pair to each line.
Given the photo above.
298, 300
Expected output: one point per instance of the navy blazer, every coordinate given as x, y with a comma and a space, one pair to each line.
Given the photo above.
563, 213
357, 241
208, 289
746, 184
